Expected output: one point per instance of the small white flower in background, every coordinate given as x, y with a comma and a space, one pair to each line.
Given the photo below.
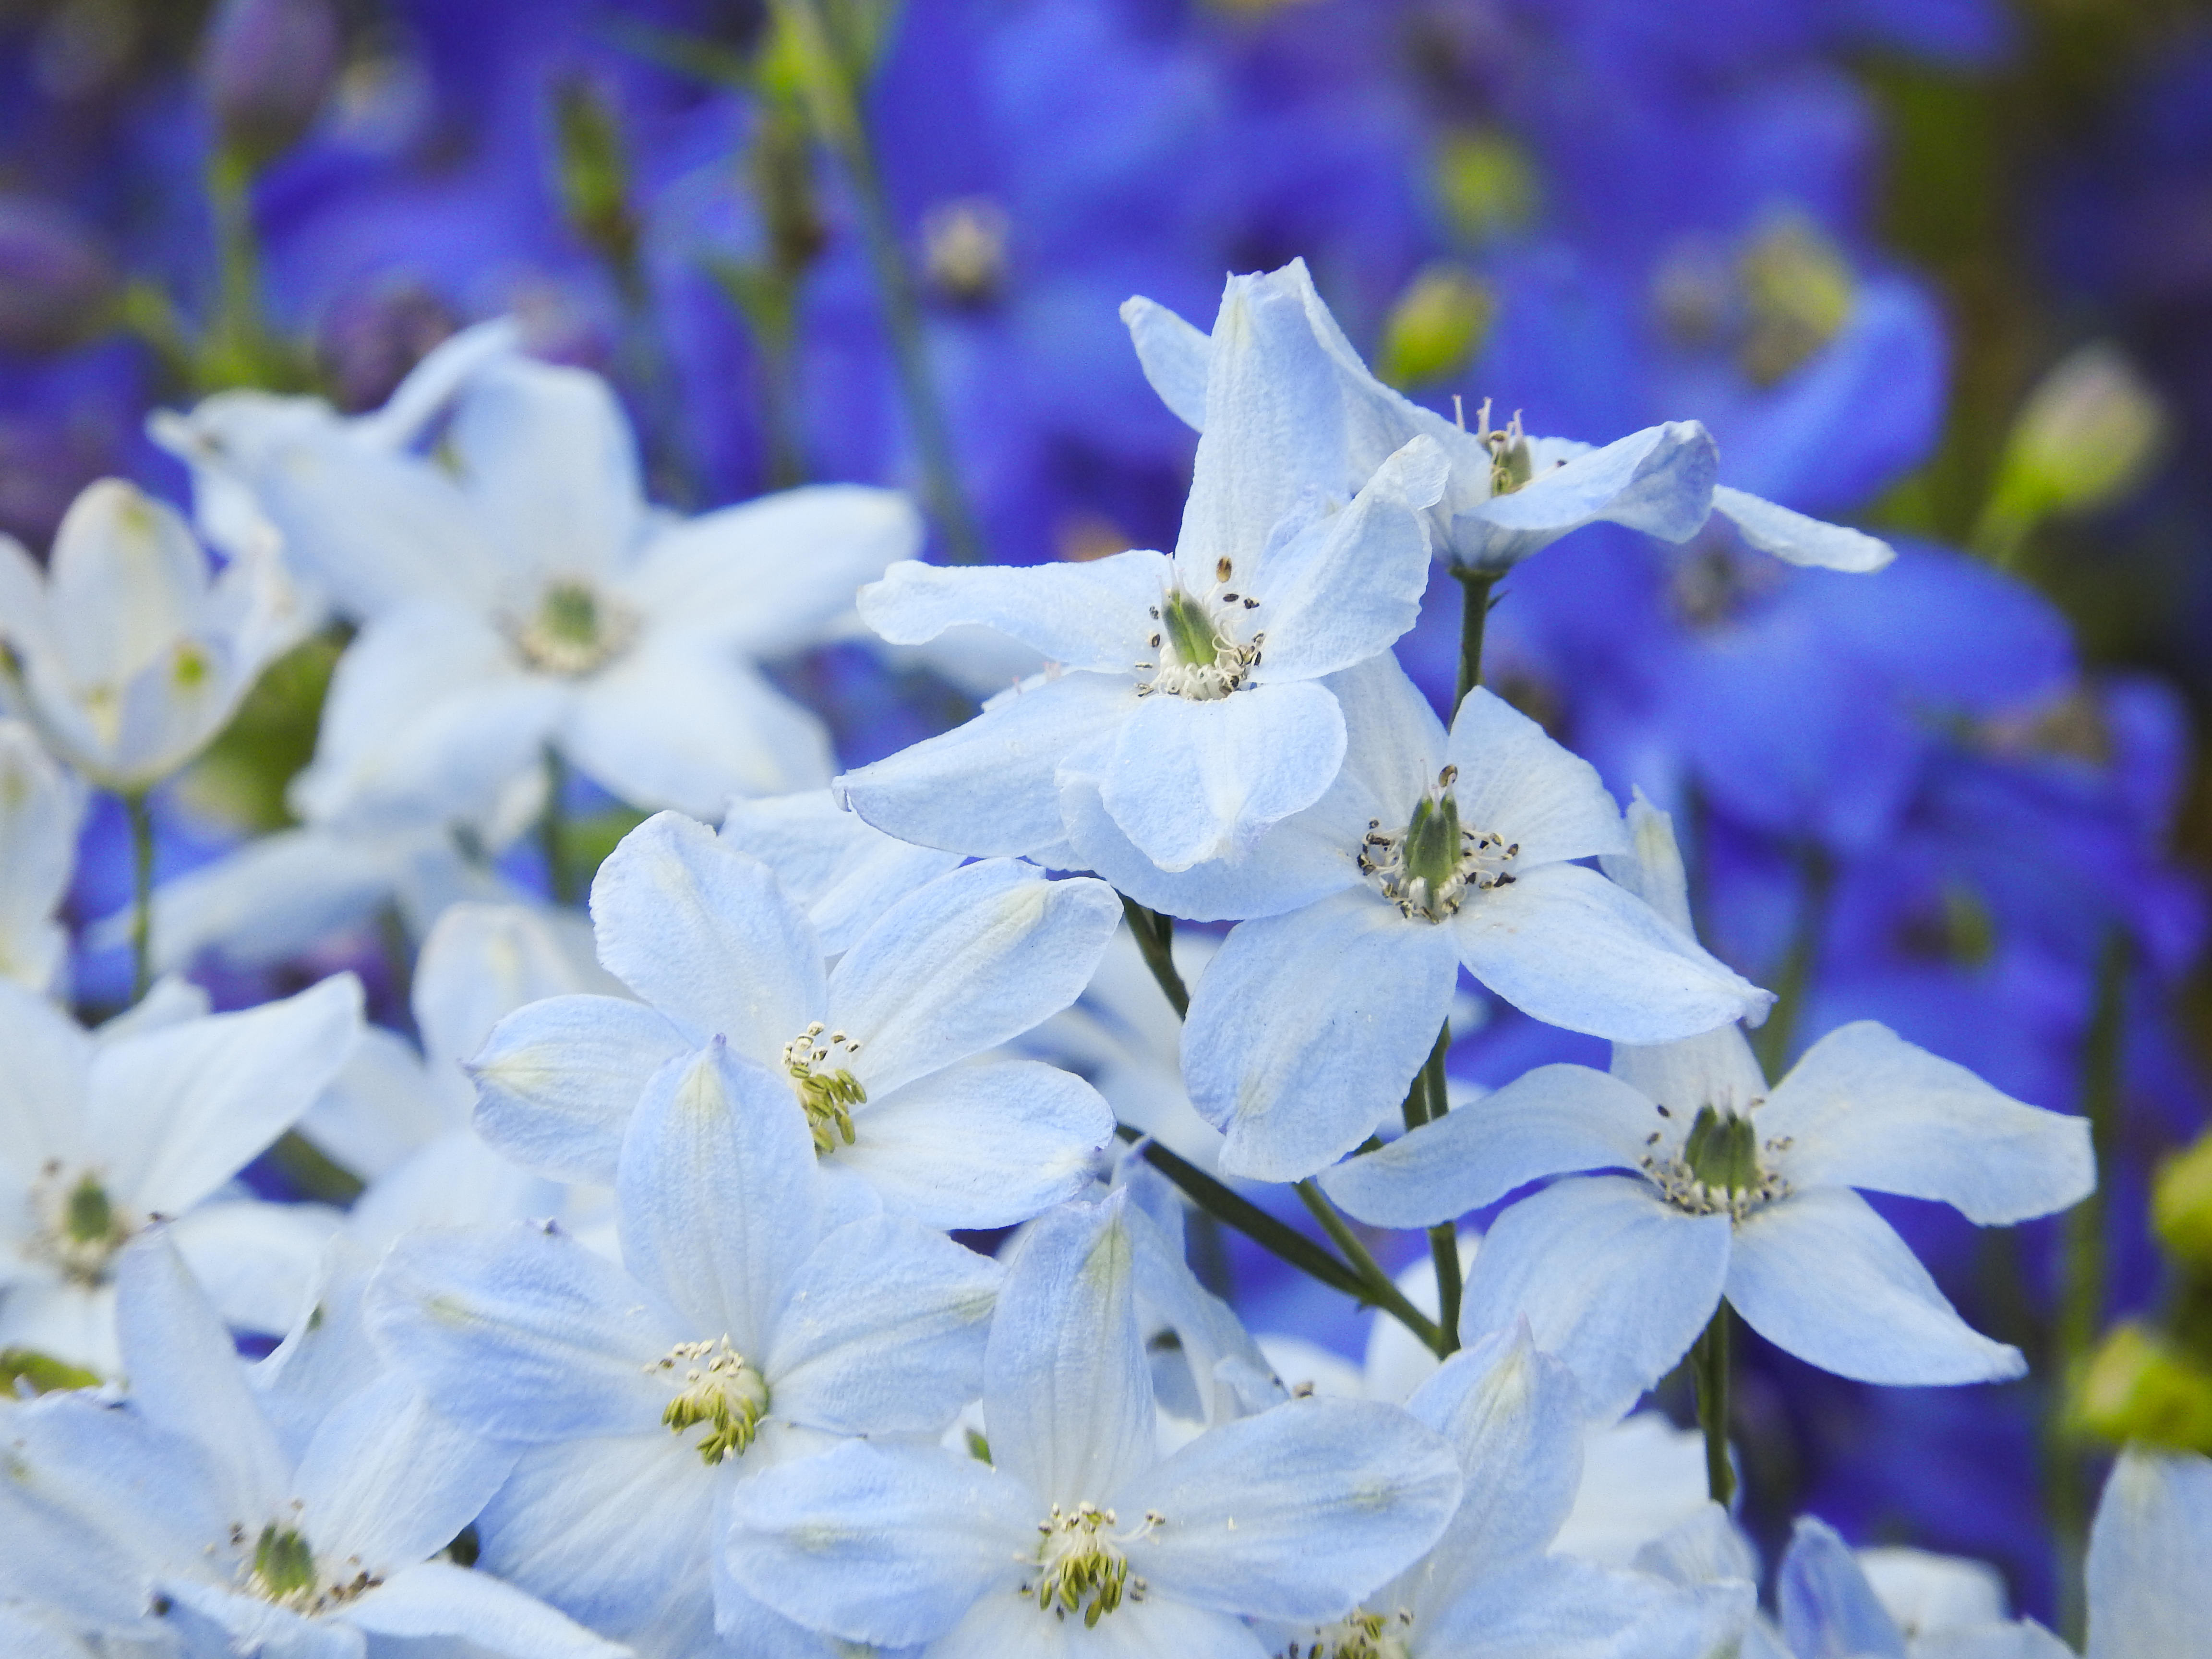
102, 1133
1508, 495
41, 807
517, 593
1191, 686
1714, 1186
127, 651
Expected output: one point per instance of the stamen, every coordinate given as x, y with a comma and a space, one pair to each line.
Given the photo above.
1361, 1635
576, 629
76, 1227
1083, 1569
828, 1095
1718, 1170
722, 1390
1428, 868
1200, 658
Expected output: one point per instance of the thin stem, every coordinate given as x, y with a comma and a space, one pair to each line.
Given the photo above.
1154, 936
1474, 617
1377, 1285
553, 831
1429, 1086
142, 893
2082, 1298
835, 102
1233, 1209
1708, 1367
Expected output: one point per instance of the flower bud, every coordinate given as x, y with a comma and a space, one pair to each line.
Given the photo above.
1488, 185
2085, 437
54, 284
1436, 328
2181, 1204
265, 68
2140, 1387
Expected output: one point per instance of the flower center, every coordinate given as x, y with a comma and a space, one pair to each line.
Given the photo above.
76, 1229
1360, 1635
575, 631
1718, 1171
1200, 656
964, 249
1427, 868
1084, 1569
722, 1390
827, 1092
1511, 465
282, 1570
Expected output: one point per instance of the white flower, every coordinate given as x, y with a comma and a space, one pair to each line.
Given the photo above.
40, 805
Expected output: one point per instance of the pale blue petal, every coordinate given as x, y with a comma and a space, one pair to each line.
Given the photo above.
215, 1624
557, 1082
1558, 1607
387, 1481
1564, 944
1294, 1514
1659, 481
1828, 1609
1864, 1108
1611, 1278
1653, 869
437, 1598
179, 1110
2021, 1639
882, 1544
1094, 615
1517, 784
481, 962
844, 870
1173, 356
1556, 1120
2150, 1557
882, 1333
1067, 1394
42, 1087
1821, 1274
989, 788
1305, 1029
1005, 1626
987, 1143
971, 961
522, 1333
1343, 589
720, 1198
707, 936
1714, 1068
27, 1632
1798, 539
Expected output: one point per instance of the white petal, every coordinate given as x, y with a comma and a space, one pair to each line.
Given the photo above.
1864, 1108
1515, 782
1798, 539
387, 1482
42, 1087
558, 1080
1174, 354
256, 1262
40, 807
125, 581
481, 961
2150, 1553
439, 1599
270, 899
1821, 1274
1094, 615
1659, 481
844, 870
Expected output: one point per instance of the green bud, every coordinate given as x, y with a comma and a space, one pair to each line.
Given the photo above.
2086, 436
1797, 292
1488, 185
44, 1373
1189, 630
1432, 840
2181, 1203
2139, 1387
1434, 330
1722, 1152
282, 1564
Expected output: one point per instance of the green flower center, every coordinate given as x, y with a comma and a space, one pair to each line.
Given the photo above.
1084, 1569
1360, 1635
80, 1229
1428, 868
283, 1565
720, 1389
575, 631
1721, 1168
1198, 654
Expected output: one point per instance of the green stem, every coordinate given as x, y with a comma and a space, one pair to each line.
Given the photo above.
1233, 1209
834, 100
2081, 1297
1154, 936
1428, 1094
142, 893
1474, 618
553, 831
1709, 1366
1377, 1285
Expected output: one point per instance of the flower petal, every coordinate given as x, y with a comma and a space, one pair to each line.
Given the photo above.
844, 870
436, 1598
387, 1482
1797, 539
1659, 481
2151, 1551
1516, 783
1826, 1603
557, 1081
1175, 356
1094, 616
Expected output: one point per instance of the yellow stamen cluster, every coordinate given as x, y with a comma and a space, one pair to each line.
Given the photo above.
1083, 1569
79, 1230
575, 630
722, 1390
1360, 1635
827, 1094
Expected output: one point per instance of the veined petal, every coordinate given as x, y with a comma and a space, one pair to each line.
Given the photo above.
1864, 1108
521, 1333
387, 1481
42, 1087
1556, 1120
884, 1330
1611, 1278
1826, 1603
844, 870
1094, 615
975, 958
2151, 1551
881, 1543
1564, 944
1797, 539
707, 936
1305, 1029
558, 1080
987, 1143
1821, 1274
1294, 1514
436, 1598
1192, 781
989, 788
1515, 782
1173, 356
1067, 1393
183, 1108
719, 1194
1558, 1607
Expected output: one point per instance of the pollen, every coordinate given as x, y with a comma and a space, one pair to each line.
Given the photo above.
1360, 1635
76, 1228
1082, 1568
1200, 654
719, 1389
827, 1090
1428, 867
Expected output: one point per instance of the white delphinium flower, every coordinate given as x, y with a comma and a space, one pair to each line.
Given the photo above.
885, 1054
1077, 1536
1508, 494
1714, 1185
1190, 685
41, 807
189, 1511
101, 1134
840, 868
126, 651
545, 603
